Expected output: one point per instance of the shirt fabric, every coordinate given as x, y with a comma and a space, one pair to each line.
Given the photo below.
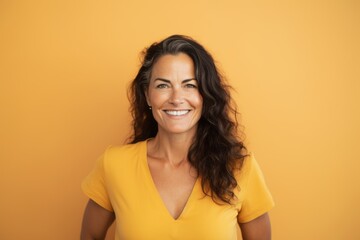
121, 182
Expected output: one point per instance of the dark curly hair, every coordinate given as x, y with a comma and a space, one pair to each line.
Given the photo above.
217, 149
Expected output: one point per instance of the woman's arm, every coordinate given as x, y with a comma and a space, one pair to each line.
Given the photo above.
96, 222
257, 229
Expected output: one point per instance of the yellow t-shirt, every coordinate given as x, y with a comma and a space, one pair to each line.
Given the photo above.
121, 182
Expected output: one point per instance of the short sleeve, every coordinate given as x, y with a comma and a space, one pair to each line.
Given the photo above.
256, 197
94, 185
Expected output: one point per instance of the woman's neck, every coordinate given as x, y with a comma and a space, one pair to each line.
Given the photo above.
172, 149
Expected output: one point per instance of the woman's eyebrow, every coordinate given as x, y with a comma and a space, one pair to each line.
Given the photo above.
189, 80
162, 79
168, 81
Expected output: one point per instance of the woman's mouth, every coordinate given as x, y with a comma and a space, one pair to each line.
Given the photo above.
176, 112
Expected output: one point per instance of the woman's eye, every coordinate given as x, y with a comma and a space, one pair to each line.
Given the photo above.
161, 86
189, 85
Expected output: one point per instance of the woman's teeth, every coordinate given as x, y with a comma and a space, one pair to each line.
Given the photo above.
177, 113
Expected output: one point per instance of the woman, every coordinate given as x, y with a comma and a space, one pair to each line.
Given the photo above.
185, 174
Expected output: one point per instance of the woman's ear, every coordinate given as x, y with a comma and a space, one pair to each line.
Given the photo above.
147, 96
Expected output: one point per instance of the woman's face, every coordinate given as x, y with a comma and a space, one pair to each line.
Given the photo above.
173, 94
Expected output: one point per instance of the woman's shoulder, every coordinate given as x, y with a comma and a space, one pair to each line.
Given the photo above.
247, 166
125, 152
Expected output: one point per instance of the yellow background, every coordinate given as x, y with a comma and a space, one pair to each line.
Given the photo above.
65, 66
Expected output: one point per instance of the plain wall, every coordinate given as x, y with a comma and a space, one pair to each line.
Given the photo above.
65, 67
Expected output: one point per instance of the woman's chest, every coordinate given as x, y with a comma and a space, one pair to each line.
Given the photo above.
142, 214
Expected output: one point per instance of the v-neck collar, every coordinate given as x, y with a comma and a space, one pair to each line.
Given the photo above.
155, 193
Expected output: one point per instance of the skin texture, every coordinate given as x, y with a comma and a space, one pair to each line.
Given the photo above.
96, 221
172, 87
257, 229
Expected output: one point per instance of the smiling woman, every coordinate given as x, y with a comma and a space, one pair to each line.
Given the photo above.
185, 165
173, 95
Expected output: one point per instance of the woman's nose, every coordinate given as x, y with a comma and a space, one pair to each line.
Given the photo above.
177, 96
